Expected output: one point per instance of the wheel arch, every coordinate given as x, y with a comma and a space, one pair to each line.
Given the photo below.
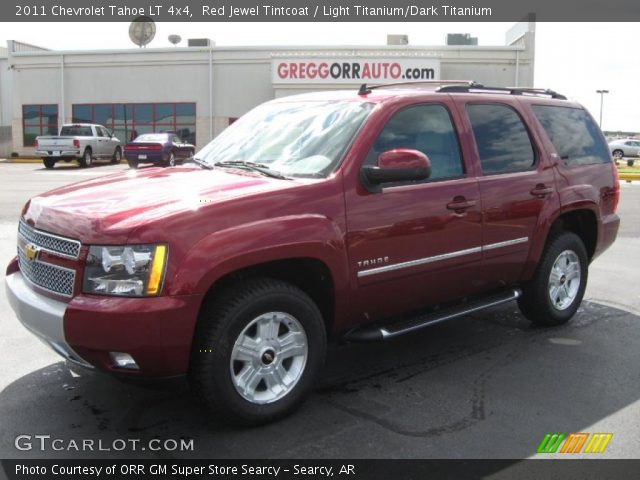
581, 219
310, 275
314, 259
583, 222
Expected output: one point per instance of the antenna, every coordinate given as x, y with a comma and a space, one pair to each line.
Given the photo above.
142, 30
175, 39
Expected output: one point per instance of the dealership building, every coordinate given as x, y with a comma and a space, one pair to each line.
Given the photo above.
198, 90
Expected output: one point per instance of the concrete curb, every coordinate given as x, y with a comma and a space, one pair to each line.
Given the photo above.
629, 177
21, 160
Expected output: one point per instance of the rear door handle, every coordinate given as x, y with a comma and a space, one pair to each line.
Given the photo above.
460, 204
541, 190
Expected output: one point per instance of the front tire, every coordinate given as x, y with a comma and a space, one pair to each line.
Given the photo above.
171, 161
49, 162
257, 351
117, 156
85, 160
554, 294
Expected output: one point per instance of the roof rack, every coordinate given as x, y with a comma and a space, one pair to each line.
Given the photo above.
477, 88
366, 89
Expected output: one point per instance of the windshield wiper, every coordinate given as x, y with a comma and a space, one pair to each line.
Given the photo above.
197, 161
258, 167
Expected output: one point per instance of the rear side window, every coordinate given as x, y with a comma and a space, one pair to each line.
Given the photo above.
427, 128
503, 142
574, 134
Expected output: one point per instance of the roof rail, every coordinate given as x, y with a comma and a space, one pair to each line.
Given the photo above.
366, 89
477, 88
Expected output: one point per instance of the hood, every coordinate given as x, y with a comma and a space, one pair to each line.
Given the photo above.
116, 204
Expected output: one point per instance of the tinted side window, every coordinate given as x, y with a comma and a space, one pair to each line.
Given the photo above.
574, 134
503, 142
426, 128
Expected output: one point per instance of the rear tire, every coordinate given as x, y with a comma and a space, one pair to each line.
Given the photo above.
618, 154
554, 294
132, 164
85, 160
49, 162
257, 350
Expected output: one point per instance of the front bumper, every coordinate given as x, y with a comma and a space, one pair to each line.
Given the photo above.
41, 315
156, 331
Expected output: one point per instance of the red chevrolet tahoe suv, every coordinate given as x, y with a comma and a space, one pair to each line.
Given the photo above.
357, 215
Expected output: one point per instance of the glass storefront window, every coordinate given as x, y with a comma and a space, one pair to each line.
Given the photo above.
128, 120
103, 114
38, 120
143, 113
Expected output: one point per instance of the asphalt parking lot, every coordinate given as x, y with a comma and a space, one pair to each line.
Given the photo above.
487, 385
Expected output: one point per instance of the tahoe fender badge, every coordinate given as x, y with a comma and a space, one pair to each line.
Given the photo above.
373, 261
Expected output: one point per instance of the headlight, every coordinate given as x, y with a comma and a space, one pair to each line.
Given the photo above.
130, 271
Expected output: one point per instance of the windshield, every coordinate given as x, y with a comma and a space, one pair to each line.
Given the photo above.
293, 138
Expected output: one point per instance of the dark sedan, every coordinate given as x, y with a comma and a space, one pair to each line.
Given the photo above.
157, 148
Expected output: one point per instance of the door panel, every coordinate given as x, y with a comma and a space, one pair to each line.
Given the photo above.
407, 249
102, 142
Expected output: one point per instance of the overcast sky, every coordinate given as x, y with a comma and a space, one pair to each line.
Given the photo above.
572, 58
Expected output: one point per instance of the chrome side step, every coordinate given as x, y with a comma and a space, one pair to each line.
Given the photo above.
377, 333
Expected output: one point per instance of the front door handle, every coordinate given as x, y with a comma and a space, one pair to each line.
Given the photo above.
541, 190
460, 204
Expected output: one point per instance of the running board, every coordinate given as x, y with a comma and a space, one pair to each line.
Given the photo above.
377, 333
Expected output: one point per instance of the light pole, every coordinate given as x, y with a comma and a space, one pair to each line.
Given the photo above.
601, 92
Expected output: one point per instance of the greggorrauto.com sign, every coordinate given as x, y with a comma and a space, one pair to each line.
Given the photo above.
354, 70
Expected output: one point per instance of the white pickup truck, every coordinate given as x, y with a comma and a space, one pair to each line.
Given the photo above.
79, 141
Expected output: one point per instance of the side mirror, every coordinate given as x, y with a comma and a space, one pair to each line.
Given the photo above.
399, 165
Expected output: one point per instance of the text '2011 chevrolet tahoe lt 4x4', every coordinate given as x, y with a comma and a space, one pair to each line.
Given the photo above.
345, 215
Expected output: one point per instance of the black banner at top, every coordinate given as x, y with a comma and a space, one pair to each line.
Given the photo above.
319, 10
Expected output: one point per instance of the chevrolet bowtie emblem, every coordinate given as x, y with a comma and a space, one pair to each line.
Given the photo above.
31, 251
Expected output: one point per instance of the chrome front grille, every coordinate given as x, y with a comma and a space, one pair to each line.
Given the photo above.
65, 247
51, 277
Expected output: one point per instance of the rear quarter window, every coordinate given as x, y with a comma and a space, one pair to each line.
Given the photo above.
575, 136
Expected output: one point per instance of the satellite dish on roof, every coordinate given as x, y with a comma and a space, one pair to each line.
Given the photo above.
142, 30
175, 39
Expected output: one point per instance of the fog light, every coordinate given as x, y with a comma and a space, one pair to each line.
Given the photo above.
124, 360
